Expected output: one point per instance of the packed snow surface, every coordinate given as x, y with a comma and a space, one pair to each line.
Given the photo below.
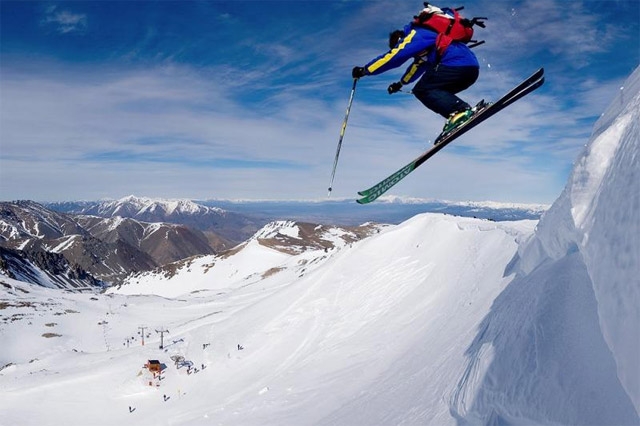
595, 224
323, 336
438, 320
209, 273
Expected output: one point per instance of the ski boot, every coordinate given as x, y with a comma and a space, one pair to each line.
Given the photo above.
458, 118
455, 119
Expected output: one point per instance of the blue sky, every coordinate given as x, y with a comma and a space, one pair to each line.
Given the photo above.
245, 99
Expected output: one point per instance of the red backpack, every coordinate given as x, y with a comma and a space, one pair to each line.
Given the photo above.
449, 25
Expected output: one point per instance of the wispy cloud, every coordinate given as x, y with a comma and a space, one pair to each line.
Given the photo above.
173, 118
223, 109
136, 128
64, 21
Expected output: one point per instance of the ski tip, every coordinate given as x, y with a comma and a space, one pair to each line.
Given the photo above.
365, 199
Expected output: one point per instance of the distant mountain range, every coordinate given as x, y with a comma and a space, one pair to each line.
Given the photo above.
237, 220
391, 210
106, 249
83, 244
223, 228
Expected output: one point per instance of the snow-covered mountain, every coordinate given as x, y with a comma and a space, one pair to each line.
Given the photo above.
585, 262
137, 207
22, 220
574, 334
163, 242
46, 269
107, 248
388, 209
286, 247
224, 229
437, 320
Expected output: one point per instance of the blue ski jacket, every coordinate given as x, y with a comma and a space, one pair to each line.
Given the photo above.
419, 44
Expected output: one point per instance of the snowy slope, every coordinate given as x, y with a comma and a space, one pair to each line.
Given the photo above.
570, 352
207, 273
281, 247
386, 319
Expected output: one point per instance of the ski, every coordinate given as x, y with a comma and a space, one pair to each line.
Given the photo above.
527, 86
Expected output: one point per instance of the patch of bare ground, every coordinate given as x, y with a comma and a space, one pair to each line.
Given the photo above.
271, 272
50, 335
314, 237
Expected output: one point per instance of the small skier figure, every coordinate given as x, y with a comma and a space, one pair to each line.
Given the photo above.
443, 74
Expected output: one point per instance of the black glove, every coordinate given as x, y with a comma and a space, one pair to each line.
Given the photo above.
394, 87
358, 72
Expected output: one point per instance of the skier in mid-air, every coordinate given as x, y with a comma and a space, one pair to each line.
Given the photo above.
445, 68
436, 40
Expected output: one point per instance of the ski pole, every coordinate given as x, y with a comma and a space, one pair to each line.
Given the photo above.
344, 127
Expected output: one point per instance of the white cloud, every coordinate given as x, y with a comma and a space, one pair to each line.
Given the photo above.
573, 32
65, 21
251, 128
171, 131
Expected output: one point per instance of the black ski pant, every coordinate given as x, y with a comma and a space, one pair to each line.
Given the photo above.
438, 86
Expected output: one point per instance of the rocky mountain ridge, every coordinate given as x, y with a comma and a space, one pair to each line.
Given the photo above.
223, 228
77, 251
280, 247
105, 249
46, 269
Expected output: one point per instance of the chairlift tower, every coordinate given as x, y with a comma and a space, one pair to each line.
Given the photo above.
162, 331
141, 332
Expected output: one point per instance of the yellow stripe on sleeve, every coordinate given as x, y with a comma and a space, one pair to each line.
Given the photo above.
386, 58
408, 75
